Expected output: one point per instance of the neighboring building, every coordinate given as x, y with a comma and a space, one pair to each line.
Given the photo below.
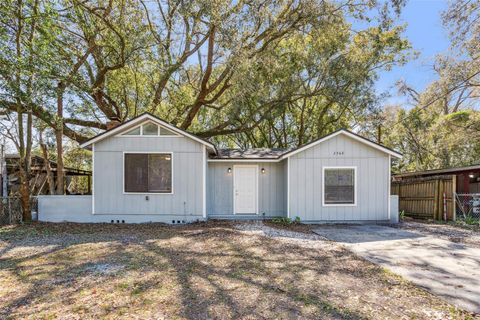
38, 176
439, 194
147, 170
467, 178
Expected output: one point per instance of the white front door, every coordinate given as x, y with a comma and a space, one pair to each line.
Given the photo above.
245, 189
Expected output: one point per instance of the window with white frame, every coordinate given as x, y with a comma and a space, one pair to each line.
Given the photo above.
149, 129
339, 186
148, 172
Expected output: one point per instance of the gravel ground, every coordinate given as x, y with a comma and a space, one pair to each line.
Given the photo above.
303, 239
458, 234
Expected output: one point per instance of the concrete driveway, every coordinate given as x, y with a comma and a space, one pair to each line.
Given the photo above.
447, 269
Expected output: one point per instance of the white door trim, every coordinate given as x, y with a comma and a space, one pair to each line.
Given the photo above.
256, 182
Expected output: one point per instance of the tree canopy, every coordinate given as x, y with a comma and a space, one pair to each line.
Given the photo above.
261, 72
442, 128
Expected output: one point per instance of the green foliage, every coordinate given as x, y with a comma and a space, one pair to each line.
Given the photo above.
471, 220
263, 73
402, 215
286, 221
442, 129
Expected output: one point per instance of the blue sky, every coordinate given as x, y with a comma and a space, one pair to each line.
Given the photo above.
428, 37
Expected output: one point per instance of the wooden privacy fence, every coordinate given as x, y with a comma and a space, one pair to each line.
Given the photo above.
427, 198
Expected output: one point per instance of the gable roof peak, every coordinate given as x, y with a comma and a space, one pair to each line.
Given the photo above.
348, 133
140, 119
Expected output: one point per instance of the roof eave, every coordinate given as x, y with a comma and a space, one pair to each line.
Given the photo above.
349, 134
146, 116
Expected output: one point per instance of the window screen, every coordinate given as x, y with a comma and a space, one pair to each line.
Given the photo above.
148, 172
339, 186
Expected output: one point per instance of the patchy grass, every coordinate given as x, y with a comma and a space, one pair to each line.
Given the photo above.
201, 271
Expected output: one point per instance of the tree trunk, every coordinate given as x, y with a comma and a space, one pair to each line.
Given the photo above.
24, 147
25, 192
50, 180
59, 137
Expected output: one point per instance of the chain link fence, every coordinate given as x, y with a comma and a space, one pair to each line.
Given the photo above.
11, 209
468, 206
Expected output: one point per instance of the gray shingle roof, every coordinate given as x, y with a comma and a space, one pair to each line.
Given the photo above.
254, 153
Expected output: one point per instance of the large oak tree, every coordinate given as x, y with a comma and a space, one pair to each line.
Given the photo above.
216, 68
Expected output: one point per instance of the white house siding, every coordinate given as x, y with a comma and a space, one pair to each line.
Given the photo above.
186, 201
284, 169
59, 208
271, 189
305, 198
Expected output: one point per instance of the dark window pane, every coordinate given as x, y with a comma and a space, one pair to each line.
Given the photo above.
133, 132
136, 173
339, 186
166, 132
160, 173
150, 129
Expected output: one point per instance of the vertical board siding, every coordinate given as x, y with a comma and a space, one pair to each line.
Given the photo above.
148, 143
186, 200
271, 189
306, 170
52, 209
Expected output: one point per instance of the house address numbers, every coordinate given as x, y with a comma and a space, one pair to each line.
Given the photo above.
338, 153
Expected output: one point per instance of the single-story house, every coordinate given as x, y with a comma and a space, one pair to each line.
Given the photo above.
147, 170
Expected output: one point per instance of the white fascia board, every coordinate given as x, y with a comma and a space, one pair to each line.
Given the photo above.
141, 119
348, 134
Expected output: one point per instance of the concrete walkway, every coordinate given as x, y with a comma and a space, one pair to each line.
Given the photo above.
447, 269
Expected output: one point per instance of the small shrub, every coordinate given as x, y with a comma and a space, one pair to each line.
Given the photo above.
286, 221
471, 220
282, 220
402, 215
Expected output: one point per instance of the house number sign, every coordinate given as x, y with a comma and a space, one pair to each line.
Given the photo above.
338, 153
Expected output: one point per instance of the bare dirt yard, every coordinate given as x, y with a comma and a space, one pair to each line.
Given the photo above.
214, 270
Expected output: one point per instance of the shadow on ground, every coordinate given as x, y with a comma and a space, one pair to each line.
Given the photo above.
193, 272
445, 268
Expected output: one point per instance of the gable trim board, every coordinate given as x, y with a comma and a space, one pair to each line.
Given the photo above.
347, 133
202, 188
123, 133
130, 124
290, 153
134, 122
